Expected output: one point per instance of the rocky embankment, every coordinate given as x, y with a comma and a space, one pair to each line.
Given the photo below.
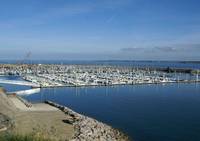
88, 129
67, 123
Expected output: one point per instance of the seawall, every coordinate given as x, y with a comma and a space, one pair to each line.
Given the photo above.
89, 129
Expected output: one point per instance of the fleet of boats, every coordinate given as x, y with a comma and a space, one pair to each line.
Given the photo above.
91, 75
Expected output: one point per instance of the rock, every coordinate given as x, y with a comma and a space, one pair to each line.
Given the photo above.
89, 129
5, 122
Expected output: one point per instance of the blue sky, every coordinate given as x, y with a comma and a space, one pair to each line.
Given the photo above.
100, 29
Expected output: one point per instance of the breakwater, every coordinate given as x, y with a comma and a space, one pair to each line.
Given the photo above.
88, 128
15, 82
26, 92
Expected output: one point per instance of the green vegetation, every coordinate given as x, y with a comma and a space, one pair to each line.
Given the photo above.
195, 71
15, 137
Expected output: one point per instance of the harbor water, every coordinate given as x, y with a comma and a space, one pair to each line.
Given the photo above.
153, 112
157, 64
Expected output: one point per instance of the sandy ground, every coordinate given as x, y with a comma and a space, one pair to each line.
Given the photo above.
35, 107
40, 118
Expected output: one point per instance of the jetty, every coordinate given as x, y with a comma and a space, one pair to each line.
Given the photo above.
16, 82
26, 92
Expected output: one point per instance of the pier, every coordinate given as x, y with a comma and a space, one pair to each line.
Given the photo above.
16, 82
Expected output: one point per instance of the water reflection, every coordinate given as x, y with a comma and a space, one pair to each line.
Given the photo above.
153, 112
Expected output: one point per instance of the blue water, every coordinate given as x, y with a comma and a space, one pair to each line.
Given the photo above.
145, 112
11, 87
159, 64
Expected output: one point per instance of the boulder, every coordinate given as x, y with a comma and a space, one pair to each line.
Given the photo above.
5, 122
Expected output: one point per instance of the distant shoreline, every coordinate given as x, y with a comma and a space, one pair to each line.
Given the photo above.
37, 61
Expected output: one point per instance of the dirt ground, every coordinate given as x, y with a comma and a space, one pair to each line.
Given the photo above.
39, 119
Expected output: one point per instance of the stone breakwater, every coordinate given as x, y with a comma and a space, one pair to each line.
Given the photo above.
89, 129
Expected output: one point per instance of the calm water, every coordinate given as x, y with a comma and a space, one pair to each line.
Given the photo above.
10, 87
162, 64
145, 112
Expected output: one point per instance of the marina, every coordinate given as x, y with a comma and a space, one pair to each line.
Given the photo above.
43, 75
106, 93
100, 70
144, 112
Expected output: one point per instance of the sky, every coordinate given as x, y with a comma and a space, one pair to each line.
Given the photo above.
100, 29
